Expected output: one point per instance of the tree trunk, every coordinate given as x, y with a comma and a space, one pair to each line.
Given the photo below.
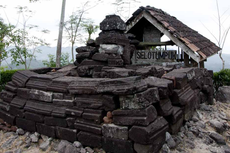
59, 44
72, 51
223, 62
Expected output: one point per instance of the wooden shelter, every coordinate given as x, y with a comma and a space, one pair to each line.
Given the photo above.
149, 24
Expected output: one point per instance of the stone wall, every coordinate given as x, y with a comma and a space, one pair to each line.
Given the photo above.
121, 113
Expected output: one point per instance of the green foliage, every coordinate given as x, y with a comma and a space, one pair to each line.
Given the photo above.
5, 76
51, 62
221, 78
90, 28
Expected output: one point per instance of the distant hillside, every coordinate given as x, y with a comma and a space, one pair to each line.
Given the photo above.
214, 63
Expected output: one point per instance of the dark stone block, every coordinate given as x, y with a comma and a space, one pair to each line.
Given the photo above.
34, 117
179, 79
208, 81
190, 72
4, 105
87, 62
164, 86
85, 85
146, 71
175, 128
43, 70
115, 62
7, 96
59, 112
23, 93
164, 107
10, 86
84, 49
66, 134
82, 55
26, 124
117, 145
70, 122
89, 139
122, 86
135, 117
20, 78
74, 111
182, 96
41, 95
18, 102
63, 102
88, 127
46, 130
94, 116
16, 112
176, 115
40, 81
39, 107
112, 22
8, 118
197, 83
112, 38
91, 42
140, 100
60, 84
117, 72
85, 71
54, 121
101, 102
100, 57
147, 135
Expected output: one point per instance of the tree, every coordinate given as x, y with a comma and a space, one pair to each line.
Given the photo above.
23, 44
51, 62
123, 7
59, 43
222, 32
90, 28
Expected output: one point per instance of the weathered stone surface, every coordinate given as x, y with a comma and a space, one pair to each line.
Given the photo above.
176, 115
70, 122
147, 135
41, 95
122, 86
16, 112
111, 49
102, 102
34, 117
179, 79
223, 94
7, 96
88, 127
59, 112
139, 100
85, 86
85, 71
43, 70
40, 81
218, 138
114, 131
20, 78
112, 22
100, 57
146, 71
190, 72
94, 116
117, 145
112, 38
10, 119
60, 84
66, 134
164, 107
175, 127
38, 107
74, 111
26, 124
182, 96
164, 86
63, 102
82, 55
10, 86
115, 62
135, 117
217, 125
91, 42
18, 102
88, 62
84, 49
46, 130
54, 121
89, 139
23, 93
117, 72
4, 105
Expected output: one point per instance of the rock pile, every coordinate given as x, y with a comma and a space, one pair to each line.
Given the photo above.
120, 107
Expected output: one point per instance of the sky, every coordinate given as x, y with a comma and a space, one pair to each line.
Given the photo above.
194, 13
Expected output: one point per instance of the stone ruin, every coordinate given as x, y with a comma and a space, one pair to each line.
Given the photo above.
103, 100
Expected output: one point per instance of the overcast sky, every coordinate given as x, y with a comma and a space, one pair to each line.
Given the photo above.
191, 12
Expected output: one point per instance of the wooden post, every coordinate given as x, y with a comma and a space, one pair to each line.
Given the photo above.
194, 63
186, 60
202, 64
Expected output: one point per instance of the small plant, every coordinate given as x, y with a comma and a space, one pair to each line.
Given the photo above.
221, 78
5, 76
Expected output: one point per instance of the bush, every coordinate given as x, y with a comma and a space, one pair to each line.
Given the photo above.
221, 78
5, 76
